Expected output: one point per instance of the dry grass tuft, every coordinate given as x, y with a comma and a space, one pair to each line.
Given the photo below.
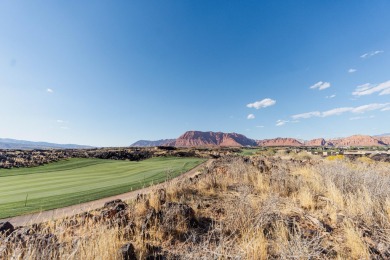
258, 207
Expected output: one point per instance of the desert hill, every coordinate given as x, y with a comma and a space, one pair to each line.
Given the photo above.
279, 142
6, 143
209, 139
198, 138
384, 139
357, 140
316, 142
146, 143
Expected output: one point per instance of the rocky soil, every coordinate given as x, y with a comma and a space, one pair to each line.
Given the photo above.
290, 207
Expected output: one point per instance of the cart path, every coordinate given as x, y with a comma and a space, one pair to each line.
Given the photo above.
54, 214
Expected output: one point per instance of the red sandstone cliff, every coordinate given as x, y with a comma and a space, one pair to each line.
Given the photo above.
357, 140
204, 139
316, 142
279, 142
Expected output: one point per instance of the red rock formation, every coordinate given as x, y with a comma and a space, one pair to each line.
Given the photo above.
204, 139
384, 139
357, 140
279, 142
316, 142
207, 139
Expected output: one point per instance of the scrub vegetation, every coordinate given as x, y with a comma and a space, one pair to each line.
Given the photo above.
237, 207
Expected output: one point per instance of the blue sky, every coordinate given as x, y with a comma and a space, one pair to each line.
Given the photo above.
109, 73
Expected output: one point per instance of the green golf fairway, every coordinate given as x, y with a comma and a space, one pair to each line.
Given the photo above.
74, 181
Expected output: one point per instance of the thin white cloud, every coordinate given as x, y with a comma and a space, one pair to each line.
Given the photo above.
352, 70
385, 92
370, 107
342, 110
364, 87
49, 90
368, 89
331, 96
259, 126
262, 103
336, 111
320, 85
60, 121
281, 122
251, 116
360, 117
64, 127
306, 115
370, 54
355, 118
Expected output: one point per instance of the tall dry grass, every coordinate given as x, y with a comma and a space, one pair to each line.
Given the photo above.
264, 207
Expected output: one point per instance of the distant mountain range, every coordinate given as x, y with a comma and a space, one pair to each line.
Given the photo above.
146, 143
210, 139
214, 139
386, 134
6, 143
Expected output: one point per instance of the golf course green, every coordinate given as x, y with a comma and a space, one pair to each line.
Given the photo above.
74, 181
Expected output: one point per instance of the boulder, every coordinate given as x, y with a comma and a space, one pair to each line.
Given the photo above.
6, 228
127, 252
162, 196
118, 205
112, 203
174, 213
114, 210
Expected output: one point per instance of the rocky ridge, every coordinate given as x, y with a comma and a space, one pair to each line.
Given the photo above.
212, 139
147, 143
279, 142
198, 138
357, 140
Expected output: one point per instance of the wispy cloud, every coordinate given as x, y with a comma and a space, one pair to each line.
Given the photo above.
260, 126
385, 92
49, 90
251, 116
360, 117
370, 107
262, 103
331, 96
351, 70
306, 115
320, 85
386, 109
281, 122
368, 89
342, 110
60, 121
336, 111
370, 54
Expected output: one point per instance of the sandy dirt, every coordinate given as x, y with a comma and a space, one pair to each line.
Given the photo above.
92, 205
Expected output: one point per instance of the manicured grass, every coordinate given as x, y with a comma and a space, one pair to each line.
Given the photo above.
75, 181
249, 151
